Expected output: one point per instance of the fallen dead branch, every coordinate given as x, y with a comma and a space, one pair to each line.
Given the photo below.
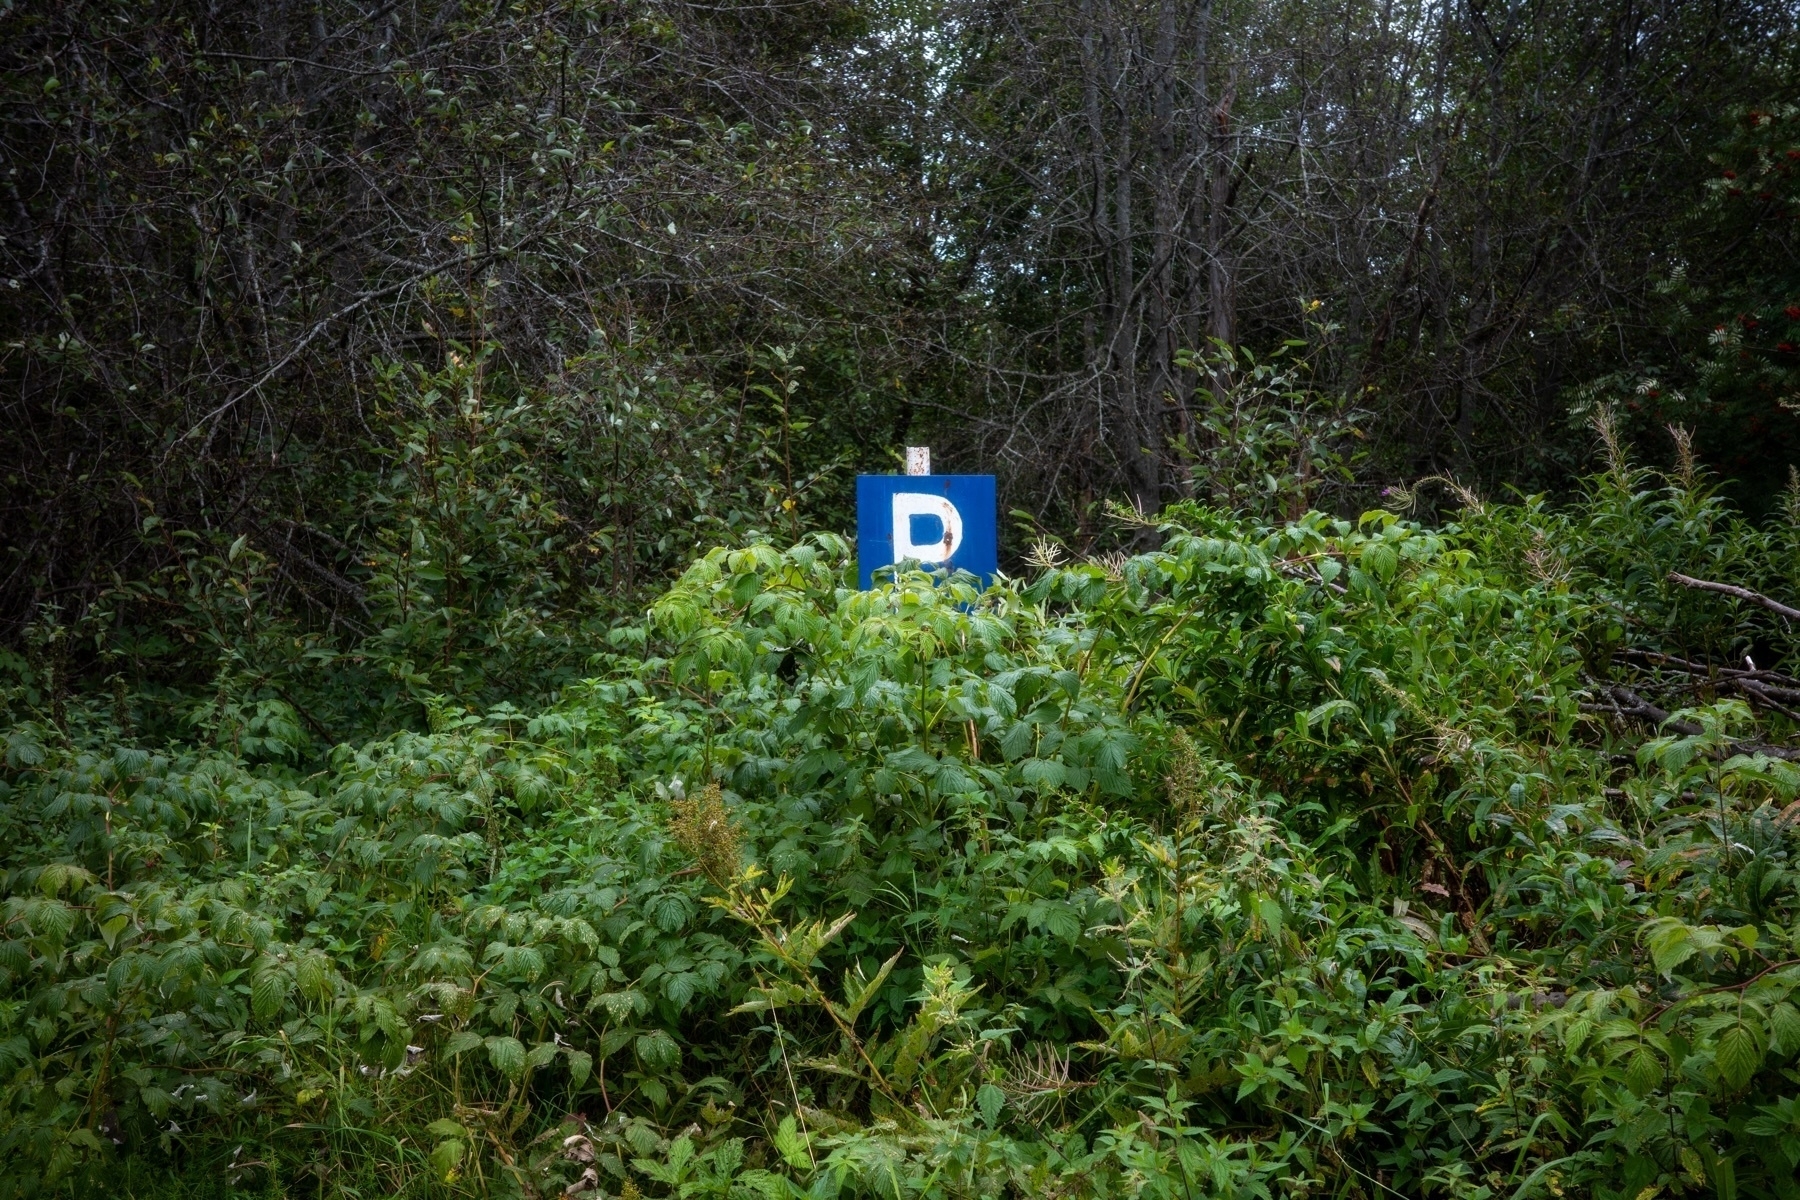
1621, 701
1740, 593
1765, 688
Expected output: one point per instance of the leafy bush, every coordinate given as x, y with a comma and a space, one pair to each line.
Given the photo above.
1266, 441
1289, 858
486, 538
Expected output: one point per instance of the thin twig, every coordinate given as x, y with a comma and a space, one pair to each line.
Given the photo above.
1131, 692
1725, 987
324, 323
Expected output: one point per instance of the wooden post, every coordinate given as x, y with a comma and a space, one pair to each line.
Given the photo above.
918, 460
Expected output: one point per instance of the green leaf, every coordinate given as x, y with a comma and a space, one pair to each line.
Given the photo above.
620, 1005
581, 1065
952, 780
1693, 1164
111, 927
446, 1156
155, 1101
766, 1184
1671, 944
1724, 1177
1644, 1073
1784, 1024
1322, 714
461, 1043
268, 993
1379, 559
778, 994
507, 1054
658, 1050
1269, 910
1044, 774
990, 1100
793, 1147
1737, 1055
1765, 1125
858, 991
313, 976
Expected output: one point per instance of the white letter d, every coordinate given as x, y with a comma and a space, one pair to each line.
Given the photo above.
908, 505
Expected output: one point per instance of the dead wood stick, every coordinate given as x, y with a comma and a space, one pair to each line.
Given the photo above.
1757, 691
1770, 685
1627, 703
1741, 593
1762, 675
1727, 683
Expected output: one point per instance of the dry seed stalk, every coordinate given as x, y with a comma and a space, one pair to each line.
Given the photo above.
702, 826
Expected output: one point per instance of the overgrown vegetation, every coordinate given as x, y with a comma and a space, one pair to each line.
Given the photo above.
446, 753
1292, 857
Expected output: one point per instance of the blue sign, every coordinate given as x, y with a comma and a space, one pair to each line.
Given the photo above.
938, 521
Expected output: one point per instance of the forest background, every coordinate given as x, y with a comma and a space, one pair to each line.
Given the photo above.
235, 237
368, 370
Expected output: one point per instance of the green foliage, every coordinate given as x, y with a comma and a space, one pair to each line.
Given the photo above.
500, 532
1266, 441
1291, 857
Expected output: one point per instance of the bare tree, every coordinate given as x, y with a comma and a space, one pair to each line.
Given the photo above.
220, 220
1472, 189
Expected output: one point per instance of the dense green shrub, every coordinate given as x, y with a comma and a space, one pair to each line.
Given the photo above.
488, 535
1317, 857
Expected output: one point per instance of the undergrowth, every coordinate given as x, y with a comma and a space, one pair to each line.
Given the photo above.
1321, 857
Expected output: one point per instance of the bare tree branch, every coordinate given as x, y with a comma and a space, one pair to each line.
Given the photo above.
1740, 593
